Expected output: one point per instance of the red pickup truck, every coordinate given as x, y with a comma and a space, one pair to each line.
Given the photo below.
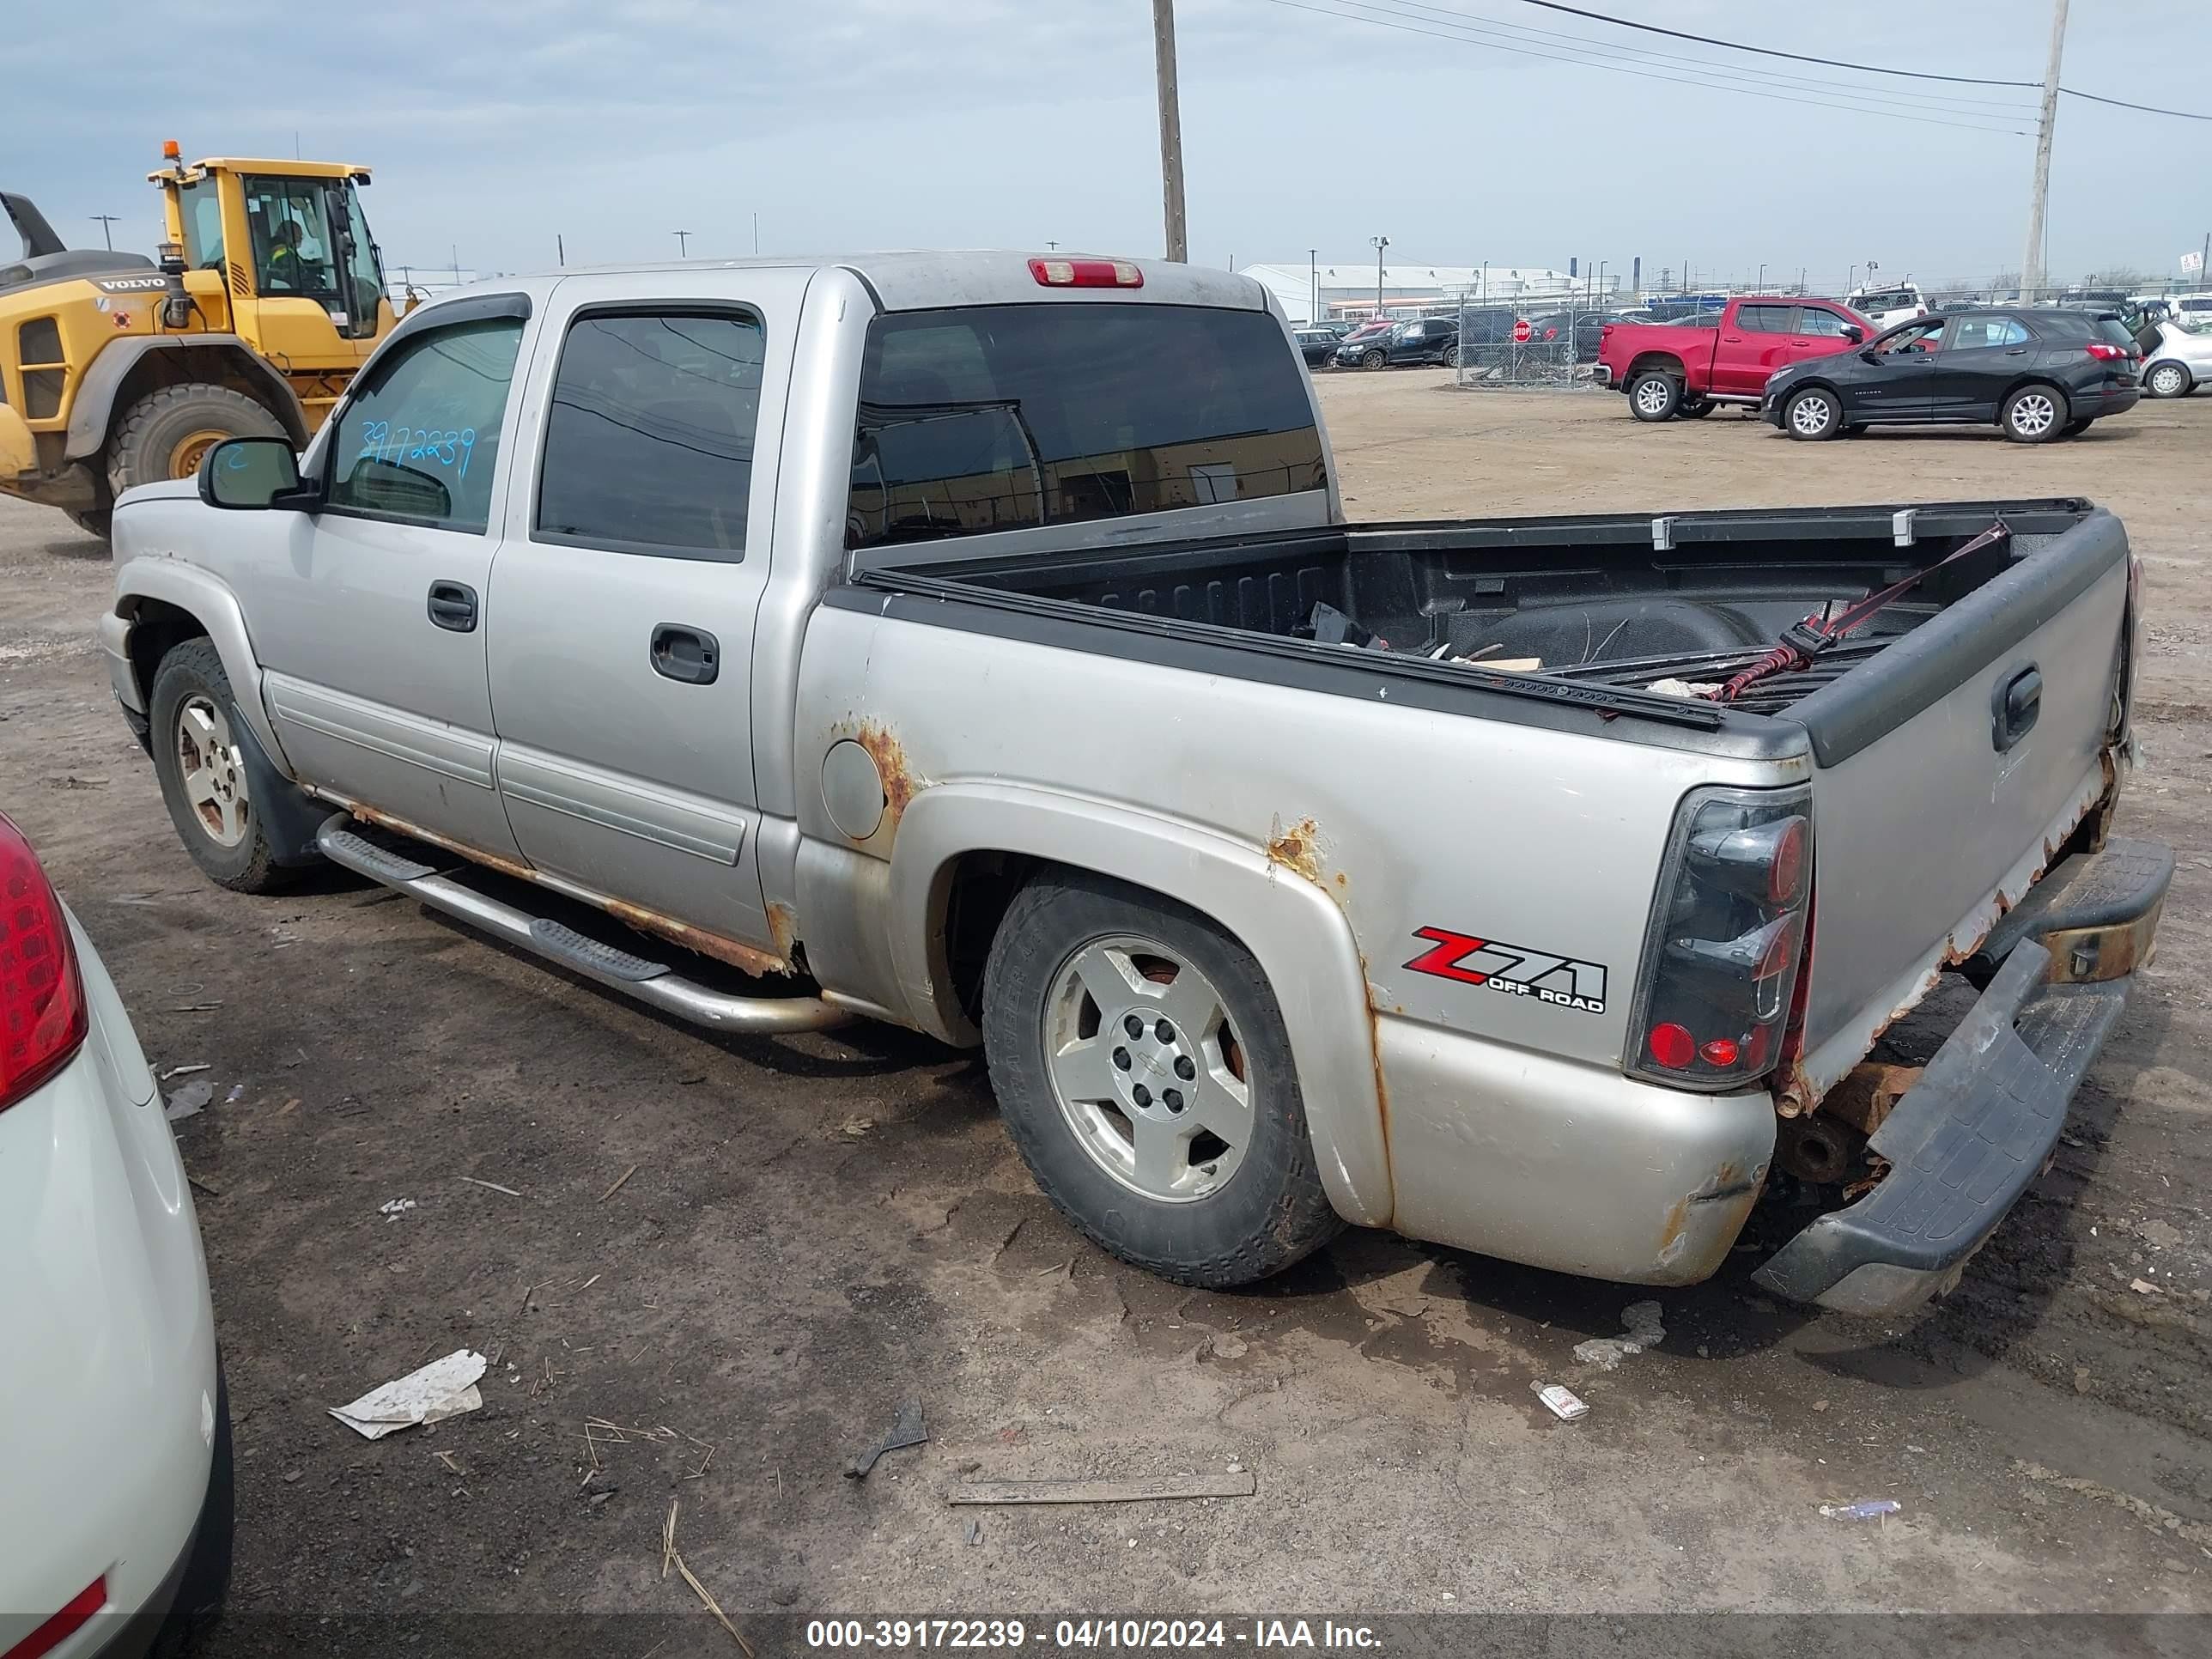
1684, 369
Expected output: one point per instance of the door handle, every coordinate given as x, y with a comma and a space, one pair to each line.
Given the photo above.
690, 655
1733, 339
453, 606
2016, 351
2015, 707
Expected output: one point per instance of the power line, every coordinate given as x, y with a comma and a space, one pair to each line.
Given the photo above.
1864, 69
1466, 39
2147, 109
1768, 52
1946, 100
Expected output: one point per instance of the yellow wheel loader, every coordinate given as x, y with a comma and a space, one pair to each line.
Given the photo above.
118, 370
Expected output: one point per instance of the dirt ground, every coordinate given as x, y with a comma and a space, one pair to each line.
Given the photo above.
728, 1261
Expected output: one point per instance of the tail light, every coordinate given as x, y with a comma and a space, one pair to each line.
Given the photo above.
43, 1020
2107, 354
1086, 273
1726, 936
74, 1617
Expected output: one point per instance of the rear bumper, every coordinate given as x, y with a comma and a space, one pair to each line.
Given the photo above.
1970, 1135
2118, 400
1602, 375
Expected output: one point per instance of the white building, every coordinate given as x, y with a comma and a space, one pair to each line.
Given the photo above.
1345, 287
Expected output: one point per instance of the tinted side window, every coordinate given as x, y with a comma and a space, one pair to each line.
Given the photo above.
420, 442
1006, 417
1813, 320
1764, 319
1979, 333
649, 436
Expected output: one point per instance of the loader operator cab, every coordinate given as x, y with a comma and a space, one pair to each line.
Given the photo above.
310, 239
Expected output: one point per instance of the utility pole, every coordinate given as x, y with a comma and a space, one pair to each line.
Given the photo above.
683, 244
2032, 273
107, 219
1163, 59
560, 250
755, 234
1313, 285
1380, 242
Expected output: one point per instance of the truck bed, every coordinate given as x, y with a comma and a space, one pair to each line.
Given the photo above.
1596, 609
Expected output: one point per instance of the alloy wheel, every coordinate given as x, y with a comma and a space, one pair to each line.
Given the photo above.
2033, 414
1147, 1068
212, 769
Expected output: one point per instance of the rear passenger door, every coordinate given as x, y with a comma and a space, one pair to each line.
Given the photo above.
624, 597
1979, 359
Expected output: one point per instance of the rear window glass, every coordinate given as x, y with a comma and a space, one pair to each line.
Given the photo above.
1010, 417
1888, 299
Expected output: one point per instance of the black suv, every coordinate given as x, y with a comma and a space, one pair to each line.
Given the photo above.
1425, 340
2036, 373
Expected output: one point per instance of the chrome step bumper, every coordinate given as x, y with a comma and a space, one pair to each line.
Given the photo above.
654, 983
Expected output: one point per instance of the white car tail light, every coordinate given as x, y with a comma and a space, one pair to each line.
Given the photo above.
1086, 273
43, 1020
1728, 933
68, 1621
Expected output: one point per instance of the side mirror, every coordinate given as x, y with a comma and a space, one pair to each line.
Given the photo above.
1874, 357
1854, 334
250, 474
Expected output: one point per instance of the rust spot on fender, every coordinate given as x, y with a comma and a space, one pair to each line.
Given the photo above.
743, 956
1297, 849
898, 776
782, 928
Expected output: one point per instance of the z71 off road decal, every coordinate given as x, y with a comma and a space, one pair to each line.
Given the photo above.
1516, 969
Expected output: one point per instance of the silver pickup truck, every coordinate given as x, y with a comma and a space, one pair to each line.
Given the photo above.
974, 642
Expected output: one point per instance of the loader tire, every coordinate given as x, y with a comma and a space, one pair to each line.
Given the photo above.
164, 434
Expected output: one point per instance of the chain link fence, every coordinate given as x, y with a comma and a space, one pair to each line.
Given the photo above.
1534, 343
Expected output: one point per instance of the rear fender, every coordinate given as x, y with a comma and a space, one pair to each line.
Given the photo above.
1295, 930
217, 610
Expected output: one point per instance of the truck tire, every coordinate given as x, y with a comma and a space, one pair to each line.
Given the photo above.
1654, 395
204, 775
2033, 414
1144, 1073
164, 434
1814, 415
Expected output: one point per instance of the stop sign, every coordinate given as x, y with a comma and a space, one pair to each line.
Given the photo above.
1522, 331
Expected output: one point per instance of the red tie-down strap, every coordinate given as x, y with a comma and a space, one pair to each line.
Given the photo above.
1803, 641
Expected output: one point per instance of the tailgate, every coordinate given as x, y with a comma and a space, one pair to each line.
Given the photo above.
1948, 770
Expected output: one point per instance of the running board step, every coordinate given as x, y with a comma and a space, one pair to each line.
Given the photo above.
359, 852
564, 943
653, 983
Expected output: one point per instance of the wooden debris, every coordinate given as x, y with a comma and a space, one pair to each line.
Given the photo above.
1105, 1491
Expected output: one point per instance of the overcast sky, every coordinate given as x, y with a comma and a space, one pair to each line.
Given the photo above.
493, 125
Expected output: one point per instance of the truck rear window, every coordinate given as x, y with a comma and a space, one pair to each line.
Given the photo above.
990, 418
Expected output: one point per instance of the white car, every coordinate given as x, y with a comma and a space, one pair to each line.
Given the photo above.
115, 1459
2178, 362
1886, 308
